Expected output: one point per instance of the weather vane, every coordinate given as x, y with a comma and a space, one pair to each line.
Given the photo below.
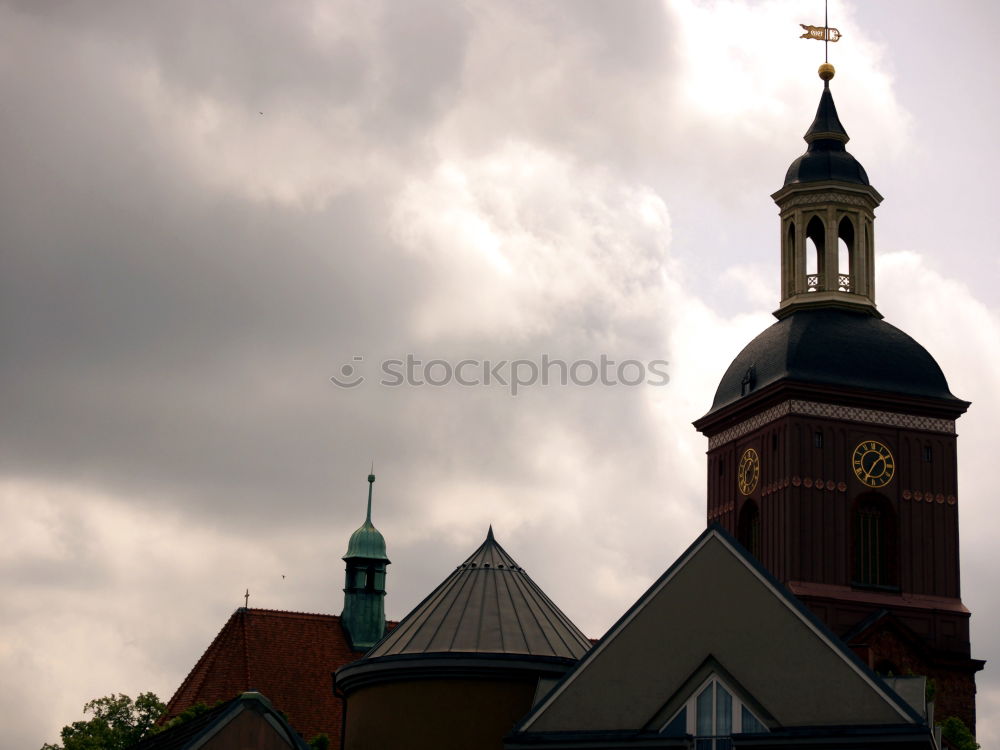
823, 33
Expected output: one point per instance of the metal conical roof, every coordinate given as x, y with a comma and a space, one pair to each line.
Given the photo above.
488, 605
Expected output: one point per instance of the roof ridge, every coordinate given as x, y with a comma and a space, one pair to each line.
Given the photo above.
446, 591
537, 612
517, 614
496, 597
464, 586
554, 608
482, 607
284, 612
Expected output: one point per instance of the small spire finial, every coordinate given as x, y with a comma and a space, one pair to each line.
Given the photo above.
371, 483
246, 599
489, 534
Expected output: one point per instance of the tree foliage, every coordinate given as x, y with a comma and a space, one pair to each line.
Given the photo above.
118, 722
186, 715
954, 730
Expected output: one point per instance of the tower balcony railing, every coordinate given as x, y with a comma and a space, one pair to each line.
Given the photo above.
814, 282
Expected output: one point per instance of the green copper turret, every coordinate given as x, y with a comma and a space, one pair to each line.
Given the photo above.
364, 589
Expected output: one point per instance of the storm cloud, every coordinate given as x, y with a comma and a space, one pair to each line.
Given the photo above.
209, 209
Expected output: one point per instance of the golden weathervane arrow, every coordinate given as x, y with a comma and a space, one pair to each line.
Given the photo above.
822, 33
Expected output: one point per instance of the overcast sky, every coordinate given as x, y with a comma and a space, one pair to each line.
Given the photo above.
209, 209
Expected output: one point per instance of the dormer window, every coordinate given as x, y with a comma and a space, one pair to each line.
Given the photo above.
713, 714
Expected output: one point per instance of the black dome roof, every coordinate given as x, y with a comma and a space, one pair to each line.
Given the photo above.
829, 346
826, 160
827, 157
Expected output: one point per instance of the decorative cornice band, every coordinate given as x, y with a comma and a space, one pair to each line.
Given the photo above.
832, 411
811, 199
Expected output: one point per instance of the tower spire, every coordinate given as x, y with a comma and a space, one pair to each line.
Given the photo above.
363, 616
827, 220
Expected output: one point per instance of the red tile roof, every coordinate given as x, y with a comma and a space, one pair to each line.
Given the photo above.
288, 656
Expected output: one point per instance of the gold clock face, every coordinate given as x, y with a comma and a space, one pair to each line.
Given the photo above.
873, 463
749, 471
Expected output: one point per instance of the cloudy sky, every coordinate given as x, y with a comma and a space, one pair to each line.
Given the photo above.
209, 209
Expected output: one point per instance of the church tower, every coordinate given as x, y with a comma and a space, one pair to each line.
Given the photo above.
364, 589
832, 442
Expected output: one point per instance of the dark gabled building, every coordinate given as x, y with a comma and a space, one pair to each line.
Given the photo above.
247, 721
716, 655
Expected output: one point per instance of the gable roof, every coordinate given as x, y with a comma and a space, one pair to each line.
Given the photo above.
488, 605
197, 730
288, 656
717, 601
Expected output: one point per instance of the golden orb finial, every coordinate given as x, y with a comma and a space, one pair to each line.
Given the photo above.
826, 71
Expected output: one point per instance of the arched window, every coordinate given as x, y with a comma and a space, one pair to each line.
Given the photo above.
748, 528
874, 535
713, 714
845, 255
815, 247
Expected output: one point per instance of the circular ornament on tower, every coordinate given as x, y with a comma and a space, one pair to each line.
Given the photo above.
873, 463
748, 472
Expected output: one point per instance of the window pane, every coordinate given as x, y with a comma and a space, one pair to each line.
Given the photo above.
704, 726
703, 744
723, 743
723, 711
750, 723
679, 725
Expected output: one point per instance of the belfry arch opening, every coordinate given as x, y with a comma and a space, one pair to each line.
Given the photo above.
790, 262
815, 249
845, 255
